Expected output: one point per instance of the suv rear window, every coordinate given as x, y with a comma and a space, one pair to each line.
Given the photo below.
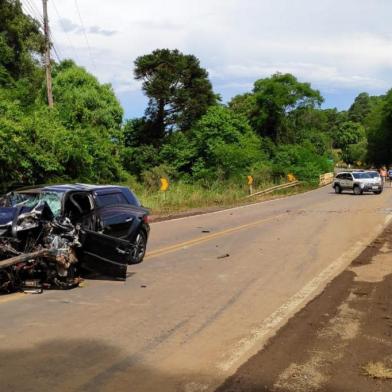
111, 198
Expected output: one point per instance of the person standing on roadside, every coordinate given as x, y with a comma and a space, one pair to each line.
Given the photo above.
383, 174
390, 176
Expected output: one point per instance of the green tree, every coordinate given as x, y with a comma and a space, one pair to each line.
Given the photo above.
225, 145
179, 151
244, 105
355, 153
349, 133
138, 159
134, 132
83, 101
301, 160
277, 97
178, 89
32, 145
360, 108
379, 125
140, 131
20, 42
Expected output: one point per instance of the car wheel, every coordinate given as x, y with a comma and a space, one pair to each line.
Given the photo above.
357, 190
338, 189
377, 192
138, 249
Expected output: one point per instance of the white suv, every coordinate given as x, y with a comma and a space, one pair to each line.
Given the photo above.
358, 182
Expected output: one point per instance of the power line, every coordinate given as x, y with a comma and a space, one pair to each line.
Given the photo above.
34, 13
85, 35
54, 48
64, 29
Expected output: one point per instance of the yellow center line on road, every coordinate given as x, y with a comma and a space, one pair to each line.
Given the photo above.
169, 249
11, 297
208, 237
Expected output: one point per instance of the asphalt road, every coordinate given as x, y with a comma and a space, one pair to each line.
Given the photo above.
211, 291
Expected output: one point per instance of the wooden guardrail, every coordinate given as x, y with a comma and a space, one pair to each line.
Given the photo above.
326, 179
275, 188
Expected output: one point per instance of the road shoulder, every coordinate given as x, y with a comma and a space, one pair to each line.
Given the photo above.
341, 341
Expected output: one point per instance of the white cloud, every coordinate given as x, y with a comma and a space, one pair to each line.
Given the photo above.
336, 45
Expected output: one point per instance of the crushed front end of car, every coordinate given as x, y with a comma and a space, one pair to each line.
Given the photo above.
37, 249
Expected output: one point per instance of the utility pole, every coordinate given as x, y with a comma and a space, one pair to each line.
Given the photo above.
47, 55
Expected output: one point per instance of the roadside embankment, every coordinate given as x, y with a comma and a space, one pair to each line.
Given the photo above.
187, 201
341, 341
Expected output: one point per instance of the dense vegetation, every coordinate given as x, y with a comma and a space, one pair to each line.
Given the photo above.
186, 133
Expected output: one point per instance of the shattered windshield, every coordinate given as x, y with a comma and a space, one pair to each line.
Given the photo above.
53, 199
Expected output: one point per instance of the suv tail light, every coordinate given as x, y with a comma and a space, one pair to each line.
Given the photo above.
145, 219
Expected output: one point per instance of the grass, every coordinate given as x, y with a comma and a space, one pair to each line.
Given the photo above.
377, 370
184, 197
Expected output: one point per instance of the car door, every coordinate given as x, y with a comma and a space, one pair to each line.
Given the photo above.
349, 181
119, 221
344, 182
115, 216
339, 180
105, 254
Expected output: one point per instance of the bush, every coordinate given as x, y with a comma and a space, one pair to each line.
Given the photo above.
226, 145
301, 161
151, 178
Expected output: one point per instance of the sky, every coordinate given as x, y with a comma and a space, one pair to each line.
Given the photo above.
342, 47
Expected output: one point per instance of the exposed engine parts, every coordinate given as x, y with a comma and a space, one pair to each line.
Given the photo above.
50, 235
37, 251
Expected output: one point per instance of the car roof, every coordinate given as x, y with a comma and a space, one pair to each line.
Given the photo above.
353, 172
79, 187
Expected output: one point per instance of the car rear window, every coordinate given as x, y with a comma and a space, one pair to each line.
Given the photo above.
111, 198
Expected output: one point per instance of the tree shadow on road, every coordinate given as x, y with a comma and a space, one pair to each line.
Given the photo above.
85, 365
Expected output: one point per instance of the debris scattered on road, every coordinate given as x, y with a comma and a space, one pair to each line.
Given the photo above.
206, 231
223, 256
143, 286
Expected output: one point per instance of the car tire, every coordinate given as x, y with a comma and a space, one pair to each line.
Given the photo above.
377, 192
357, 190
138, 249
338, 189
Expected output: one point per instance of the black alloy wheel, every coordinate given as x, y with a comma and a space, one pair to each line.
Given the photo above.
138, 249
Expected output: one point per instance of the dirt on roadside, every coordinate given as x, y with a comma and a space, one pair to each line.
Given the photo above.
340, 342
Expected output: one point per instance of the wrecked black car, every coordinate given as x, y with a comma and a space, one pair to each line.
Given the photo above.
50, 235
